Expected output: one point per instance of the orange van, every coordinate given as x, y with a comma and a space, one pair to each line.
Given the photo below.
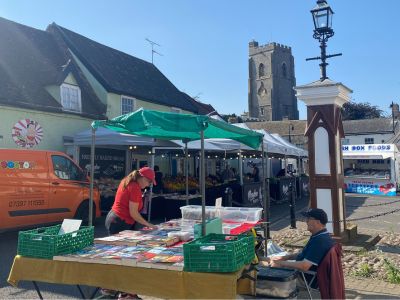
38, 187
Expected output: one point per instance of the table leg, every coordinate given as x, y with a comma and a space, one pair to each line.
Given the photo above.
81, 292
37, 290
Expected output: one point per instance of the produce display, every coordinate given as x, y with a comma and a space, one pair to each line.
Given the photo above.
175, 184
107, 186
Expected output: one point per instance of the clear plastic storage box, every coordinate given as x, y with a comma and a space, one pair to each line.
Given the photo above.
233, 214
241, 214
193, 212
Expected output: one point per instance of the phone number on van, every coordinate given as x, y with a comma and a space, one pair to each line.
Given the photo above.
20, 203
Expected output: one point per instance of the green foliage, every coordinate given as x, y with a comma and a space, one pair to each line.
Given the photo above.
393, 273
360, 111
226, 117
364, 271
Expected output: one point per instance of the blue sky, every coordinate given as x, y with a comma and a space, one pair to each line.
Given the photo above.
205, 43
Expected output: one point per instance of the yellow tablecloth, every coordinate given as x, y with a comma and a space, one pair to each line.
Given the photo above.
151, 282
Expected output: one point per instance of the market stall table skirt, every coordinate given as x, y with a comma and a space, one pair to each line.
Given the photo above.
143, 281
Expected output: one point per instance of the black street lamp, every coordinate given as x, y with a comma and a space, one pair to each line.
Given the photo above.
291, 128
322, 16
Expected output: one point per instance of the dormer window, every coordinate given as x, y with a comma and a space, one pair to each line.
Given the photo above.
127, 105
71, 97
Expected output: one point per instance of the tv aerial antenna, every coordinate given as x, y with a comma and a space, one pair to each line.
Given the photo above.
152, 43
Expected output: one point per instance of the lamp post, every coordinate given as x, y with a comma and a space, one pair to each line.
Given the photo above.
322, 16
291, 128
324, 100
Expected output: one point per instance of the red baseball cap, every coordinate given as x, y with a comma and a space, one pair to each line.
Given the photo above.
149, 174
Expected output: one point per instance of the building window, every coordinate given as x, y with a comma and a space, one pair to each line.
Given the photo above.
71, 97
127, 105
176, 110
284, 70
369, 140
262, 111
261, 70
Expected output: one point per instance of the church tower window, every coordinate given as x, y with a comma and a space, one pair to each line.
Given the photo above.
261, 70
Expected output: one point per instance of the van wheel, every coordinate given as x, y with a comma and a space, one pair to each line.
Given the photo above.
82, 213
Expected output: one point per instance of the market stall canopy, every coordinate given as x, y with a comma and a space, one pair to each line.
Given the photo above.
106, 136
294, 150
174, 126
273, 145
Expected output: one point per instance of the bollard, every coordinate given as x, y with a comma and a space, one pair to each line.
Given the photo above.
292, 206
228, 196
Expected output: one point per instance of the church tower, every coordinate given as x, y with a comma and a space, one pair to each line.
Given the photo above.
271, 82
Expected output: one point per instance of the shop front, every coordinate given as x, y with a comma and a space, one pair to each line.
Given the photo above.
371, 169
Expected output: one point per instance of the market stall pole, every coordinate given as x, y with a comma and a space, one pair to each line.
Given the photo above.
203, 186
187, 172
92, 149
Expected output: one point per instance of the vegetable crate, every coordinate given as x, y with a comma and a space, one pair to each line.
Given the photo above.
46, 242
218, 253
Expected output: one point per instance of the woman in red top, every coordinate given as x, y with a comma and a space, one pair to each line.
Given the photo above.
128, 201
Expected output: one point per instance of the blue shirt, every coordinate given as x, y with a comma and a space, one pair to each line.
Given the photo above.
317, 247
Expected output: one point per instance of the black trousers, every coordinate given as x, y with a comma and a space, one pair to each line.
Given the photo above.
115, 224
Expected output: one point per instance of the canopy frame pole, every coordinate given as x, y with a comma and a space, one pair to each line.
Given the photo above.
187, 171
92, 149
153, 153
266, 201
241, 166
203, 186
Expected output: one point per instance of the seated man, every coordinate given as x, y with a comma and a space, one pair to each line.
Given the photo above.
316, 248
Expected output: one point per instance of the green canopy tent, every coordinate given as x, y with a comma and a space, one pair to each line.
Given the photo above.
175, 126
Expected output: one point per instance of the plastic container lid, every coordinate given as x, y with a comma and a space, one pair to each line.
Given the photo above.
276, 274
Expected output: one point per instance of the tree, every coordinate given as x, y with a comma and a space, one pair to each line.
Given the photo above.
360, 111
234, 116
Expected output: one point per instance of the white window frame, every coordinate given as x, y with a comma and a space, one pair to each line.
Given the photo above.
176, 110
73, 87
133, 104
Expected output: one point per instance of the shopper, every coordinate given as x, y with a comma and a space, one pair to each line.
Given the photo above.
159, 179
125, 212
256, 173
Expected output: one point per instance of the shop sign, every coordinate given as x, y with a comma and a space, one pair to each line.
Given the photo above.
385, 188
252, 194
27, 133
108, 163
368, 148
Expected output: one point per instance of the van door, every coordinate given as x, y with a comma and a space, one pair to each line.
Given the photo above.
24, 189
67, 186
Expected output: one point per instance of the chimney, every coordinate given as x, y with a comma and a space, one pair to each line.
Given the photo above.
395, 111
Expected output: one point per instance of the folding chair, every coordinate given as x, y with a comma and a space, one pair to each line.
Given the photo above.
309, 283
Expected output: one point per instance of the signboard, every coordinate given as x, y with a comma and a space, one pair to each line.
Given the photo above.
108, 163
367, 148
252, 194
372, 187
27, 133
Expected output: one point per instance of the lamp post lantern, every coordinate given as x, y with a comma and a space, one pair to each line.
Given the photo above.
291, 128
322, 17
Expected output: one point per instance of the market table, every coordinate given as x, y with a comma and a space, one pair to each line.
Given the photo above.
143, 281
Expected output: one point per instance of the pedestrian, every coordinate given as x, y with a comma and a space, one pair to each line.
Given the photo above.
159, 179
256, 173
125, 212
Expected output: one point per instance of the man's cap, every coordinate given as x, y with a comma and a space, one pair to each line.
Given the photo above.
149, 174
316, 213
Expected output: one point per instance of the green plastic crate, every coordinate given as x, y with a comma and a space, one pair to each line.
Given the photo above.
46, 242
218, 253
